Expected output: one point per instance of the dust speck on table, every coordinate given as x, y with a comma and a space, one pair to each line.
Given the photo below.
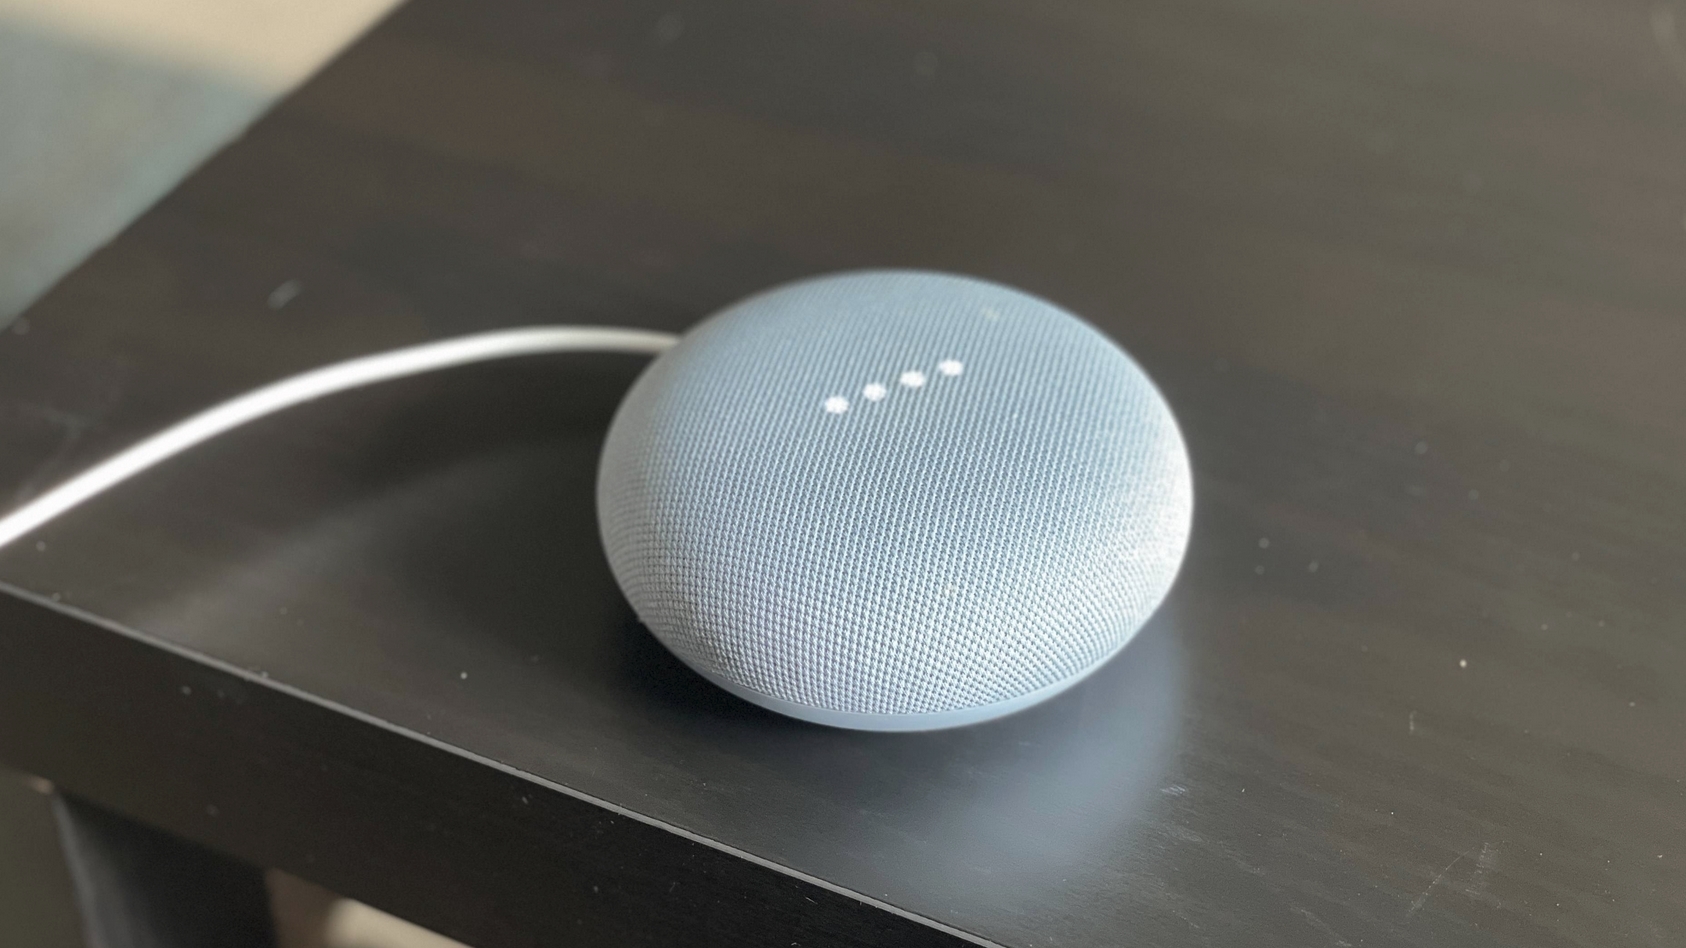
285, 293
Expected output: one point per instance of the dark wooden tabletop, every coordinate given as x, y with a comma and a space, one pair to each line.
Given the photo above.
1412, 274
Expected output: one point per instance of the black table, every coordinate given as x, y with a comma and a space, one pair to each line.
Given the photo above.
1411, 274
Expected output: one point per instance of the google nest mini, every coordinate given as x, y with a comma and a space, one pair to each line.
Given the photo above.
894, 500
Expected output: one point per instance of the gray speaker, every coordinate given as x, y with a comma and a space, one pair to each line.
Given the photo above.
894, 500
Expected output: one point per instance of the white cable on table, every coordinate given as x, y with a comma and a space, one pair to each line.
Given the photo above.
352, 373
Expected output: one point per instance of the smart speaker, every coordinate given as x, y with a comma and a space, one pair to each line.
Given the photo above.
894, 500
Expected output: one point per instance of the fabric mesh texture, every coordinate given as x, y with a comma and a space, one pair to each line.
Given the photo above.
1006, 525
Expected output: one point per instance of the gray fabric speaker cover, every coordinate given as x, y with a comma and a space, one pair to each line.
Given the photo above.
894, 500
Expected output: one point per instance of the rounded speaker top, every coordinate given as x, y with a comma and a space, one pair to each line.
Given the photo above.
894, 500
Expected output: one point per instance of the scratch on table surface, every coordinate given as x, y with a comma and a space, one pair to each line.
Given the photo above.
1664, 31
1484, 866
1187, 835
1321, 926
71, 429
72, 426
1437, 880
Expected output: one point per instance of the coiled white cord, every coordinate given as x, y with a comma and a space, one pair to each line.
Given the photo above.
306, 386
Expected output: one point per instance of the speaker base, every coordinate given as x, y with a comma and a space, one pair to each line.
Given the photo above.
932, 721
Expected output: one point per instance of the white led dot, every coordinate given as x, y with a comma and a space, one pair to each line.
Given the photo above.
837, 404
913, 378
873, 392
950, 367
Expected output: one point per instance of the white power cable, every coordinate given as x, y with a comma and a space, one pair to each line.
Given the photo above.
306, 386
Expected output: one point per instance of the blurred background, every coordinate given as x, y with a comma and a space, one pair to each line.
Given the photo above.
105, 106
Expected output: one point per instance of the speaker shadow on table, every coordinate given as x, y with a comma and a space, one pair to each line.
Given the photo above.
1007, 807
